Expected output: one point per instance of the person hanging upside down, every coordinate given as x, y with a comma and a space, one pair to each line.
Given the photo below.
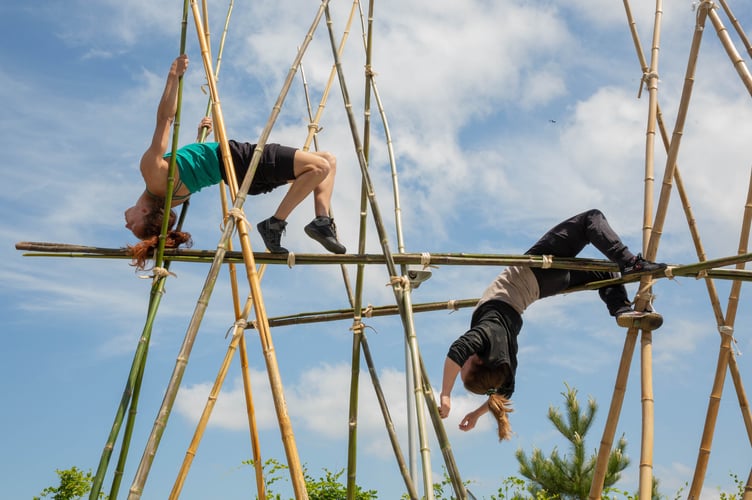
485, 356
200, 165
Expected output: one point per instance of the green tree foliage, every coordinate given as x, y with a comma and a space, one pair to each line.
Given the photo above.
326, 487
569, 476
74, 484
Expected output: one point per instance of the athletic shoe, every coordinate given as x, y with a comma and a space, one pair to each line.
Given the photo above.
646, 320
637, 265
271, 231
323, 230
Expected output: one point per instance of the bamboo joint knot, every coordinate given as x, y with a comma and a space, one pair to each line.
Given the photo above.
548, 261
402, 281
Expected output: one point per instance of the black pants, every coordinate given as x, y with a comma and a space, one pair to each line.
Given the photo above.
567, 239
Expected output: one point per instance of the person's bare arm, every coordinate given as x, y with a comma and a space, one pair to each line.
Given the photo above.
166, 110
451, 370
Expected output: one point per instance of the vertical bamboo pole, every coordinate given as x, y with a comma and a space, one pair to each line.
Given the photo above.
648, 415
397, 285
648, 423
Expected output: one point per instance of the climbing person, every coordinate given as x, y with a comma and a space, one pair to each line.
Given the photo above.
485, 356
200, 165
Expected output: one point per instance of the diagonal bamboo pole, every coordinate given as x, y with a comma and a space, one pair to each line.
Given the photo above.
725, 355
397, 285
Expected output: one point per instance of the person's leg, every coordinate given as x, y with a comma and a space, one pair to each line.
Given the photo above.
569, 237
314, 172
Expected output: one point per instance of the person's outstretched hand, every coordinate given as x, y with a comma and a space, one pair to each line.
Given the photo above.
446, 405
469, 421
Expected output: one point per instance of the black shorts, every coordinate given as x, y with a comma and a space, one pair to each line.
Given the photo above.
274, 169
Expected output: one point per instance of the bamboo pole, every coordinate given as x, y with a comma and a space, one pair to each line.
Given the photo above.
648, 416
397, 285
238, 341
133, 384
725, 355
728, 45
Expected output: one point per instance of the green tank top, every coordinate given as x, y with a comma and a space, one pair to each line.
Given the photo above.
198, 165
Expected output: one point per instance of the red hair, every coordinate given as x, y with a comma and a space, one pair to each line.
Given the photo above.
149, 235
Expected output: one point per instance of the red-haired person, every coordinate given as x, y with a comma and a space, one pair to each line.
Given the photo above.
200, 165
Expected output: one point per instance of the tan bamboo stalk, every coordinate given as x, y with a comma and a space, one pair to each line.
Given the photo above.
748, 488
724, 356
651, 78
648, 415
728, 45
397, 285
238, 340
648, 422
737, 26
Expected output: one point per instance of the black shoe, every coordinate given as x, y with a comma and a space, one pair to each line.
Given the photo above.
646, 320
323, 230
271, 231
639, 265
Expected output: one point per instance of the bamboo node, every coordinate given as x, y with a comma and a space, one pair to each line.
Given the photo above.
291, 260
548, 261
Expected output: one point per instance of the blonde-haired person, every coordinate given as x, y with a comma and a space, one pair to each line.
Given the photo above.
485, 356
200, 165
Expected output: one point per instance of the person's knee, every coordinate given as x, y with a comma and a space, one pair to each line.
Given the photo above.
331, 162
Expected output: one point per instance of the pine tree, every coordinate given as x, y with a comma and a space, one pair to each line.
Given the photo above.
569, 476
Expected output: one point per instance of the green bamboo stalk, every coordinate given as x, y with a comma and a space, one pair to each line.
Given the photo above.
272, 368
396, 286
137, 367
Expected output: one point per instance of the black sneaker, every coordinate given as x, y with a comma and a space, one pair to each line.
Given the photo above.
639, 265
646, 320
271, 231
323, 230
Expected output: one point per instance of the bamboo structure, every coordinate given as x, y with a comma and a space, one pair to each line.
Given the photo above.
419, 392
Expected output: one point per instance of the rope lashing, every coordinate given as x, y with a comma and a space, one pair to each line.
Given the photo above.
452, 306
548, 261
240, 323
368, 311
369, 71
400, 280
702, 274
729, 330
648, 75
669, 272
358, 328
315, 127
425, 260
237, 214
158, 272
290, 260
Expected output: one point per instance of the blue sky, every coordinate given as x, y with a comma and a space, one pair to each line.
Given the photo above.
505, 118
